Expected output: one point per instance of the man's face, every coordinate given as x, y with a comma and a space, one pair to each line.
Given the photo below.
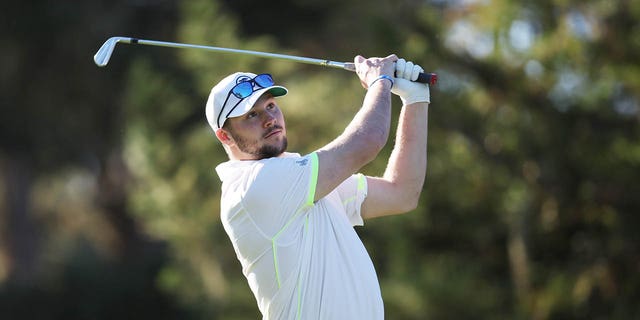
259, 133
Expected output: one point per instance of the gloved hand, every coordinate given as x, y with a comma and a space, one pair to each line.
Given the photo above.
409, 91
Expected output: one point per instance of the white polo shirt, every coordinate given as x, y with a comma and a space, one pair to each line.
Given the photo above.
303, 260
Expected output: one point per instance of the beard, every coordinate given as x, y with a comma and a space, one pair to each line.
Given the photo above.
260, 151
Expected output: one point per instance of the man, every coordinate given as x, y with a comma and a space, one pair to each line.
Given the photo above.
289, 217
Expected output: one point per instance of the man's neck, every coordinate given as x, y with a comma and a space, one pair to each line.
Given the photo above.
250, 157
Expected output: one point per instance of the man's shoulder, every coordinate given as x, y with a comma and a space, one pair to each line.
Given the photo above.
233, 168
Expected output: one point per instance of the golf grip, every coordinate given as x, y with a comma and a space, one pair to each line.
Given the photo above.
430, 78
425, 77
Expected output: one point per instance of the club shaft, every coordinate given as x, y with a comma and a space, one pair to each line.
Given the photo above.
321, 62
102, 56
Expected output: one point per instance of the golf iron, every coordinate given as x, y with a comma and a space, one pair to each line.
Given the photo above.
101, 58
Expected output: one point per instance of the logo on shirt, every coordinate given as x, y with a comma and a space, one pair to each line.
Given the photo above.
302, 162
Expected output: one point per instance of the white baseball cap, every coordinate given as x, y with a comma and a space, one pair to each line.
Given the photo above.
221, 102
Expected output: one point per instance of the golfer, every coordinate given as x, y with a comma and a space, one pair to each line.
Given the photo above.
290, 217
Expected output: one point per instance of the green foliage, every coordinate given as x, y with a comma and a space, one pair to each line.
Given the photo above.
529, 207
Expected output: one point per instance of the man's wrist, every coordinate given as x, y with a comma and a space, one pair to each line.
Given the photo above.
416, 104
381, 79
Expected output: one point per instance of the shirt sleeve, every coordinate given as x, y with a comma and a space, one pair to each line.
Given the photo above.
352, 193
281, 190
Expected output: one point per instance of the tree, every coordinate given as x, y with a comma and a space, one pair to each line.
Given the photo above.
529, 204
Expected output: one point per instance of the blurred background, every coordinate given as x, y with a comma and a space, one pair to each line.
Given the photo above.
109, 202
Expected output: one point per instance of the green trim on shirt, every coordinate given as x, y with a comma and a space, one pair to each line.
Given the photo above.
310, 197
362, 182
314, 179
362, 186
299, 286
275, 260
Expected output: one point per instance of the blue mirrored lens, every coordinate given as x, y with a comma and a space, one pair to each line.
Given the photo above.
242, 90
264, 80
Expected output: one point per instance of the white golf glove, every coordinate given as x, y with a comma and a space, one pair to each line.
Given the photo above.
409, 91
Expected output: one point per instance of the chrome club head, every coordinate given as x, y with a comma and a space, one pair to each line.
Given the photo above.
101, 58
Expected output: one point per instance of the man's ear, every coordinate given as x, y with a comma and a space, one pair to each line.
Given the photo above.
224, 136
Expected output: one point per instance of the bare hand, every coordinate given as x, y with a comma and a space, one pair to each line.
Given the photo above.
371, 68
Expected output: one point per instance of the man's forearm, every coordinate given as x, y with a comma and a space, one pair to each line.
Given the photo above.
368, 132
372, 122
359, 144
408, 162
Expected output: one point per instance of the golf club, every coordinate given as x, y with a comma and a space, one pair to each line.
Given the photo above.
101, 58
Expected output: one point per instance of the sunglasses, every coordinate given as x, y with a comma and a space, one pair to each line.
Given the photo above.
244, 89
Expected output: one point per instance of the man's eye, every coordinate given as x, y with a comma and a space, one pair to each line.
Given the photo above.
251, 114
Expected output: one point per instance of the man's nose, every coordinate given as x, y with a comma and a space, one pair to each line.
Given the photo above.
269, 119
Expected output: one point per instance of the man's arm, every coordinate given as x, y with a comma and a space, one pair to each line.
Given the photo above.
366, 134
398, 190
